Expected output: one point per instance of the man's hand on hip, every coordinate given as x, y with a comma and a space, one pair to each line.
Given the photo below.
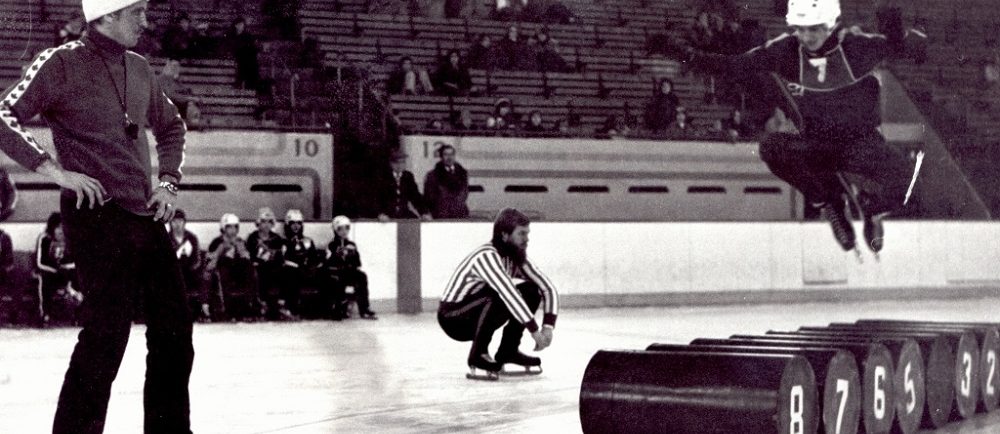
83, 185
163, 201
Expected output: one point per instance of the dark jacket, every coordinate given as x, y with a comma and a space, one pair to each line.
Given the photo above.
661, 111
342, 254
446, 192
395, 198
265, 254
71, 87
480, 57
449, 80
188, 251
299, 252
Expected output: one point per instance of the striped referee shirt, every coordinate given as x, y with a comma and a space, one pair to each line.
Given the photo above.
485, 269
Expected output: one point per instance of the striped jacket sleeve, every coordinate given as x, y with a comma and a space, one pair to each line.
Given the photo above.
490, 268
550, 299
38, 89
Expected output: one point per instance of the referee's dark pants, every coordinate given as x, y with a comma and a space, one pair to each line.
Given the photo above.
124, 261
480, 315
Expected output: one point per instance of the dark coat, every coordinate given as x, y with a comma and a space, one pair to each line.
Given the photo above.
661, 111
446, 192
395, 199
342, 254
450, 80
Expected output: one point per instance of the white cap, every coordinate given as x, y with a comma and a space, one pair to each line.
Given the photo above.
229, 219
94, 9
265, 213
293, 215
813, 12
340, 220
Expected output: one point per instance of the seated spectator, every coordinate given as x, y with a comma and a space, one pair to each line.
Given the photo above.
483, 55
504, 117
243, 48
681, 127
399, 197
178, 38
343, 263
508, 10
404, 80
229, 270
73, 29
310, 53
614, 126
434, 125
56, 274
265, 249
452, 77
571, 125
301, 260
514, 54
661, 110
179, 94
446, 187
736, 128
534, 123
701, 33
189, 258
548, 57
462, 121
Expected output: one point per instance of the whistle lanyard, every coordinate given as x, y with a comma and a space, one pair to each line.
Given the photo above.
122, 96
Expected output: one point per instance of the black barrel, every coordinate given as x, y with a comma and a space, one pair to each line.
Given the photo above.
876, 369
967, 358
939, 367
837, 381
989, 348
908, 380
690, 392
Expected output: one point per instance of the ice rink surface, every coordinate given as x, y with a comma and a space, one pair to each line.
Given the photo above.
401, 373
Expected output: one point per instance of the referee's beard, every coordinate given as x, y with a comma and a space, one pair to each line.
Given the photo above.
510, 251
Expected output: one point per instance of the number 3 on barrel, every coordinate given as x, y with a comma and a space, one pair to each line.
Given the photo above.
966, 384
879, 392
796, 424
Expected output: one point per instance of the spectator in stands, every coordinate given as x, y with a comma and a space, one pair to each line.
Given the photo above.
483, 55
515, 54
8, 195
508, 10
343, 262
701, 34
736, 128
661, 111
178, 39
535, 124
547, 53
452, 78
434, 125
56, 274
614, 126
182, 96
189, 257
281, 18
230, 271
73, 29
681, 127
405, 79
462, 121
243, 47
399, 196
265, 249
299, 253
504, 117
310, 54
446, 187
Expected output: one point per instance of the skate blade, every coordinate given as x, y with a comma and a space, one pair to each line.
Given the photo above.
857, 255
525, 372
482, 375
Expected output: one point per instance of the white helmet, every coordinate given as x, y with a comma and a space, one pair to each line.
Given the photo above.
228, 219
265, 213
813, 12
340, 220
294, 215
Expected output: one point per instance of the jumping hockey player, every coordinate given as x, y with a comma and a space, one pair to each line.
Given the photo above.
496, 285
826, 71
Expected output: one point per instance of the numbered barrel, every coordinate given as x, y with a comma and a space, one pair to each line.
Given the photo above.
908, 377
837, 381
691, 392
966, 374
876, 370
989, 347
939, 367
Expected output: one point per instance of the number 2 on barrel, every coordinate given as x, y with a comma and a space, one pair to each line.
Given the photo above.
991, 358
842, 390
796, 424
879, 392
966, 384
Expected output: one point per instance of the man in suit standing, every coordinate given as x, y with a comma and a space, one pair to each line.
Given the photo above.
399, 196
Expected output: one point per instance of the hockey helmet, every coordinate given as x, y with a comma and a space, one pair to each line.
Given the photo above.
813, 12
340, 221
265, 214
294, 215
228, 219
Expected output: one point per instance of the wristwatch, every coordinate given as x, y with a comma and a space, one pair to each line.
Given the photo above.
169, 186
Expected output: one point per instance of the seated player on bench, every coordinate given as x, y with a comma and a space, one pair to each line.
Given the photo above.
496, 285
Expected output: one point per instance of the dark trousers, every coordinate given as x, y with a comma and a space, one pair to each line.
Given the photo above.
357, 279
480, 315
811, 166
122, 261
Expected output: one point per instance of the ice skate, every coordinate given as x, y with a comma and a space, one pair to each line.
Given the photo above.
525, 364
843, 231
482, 367
873, 232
